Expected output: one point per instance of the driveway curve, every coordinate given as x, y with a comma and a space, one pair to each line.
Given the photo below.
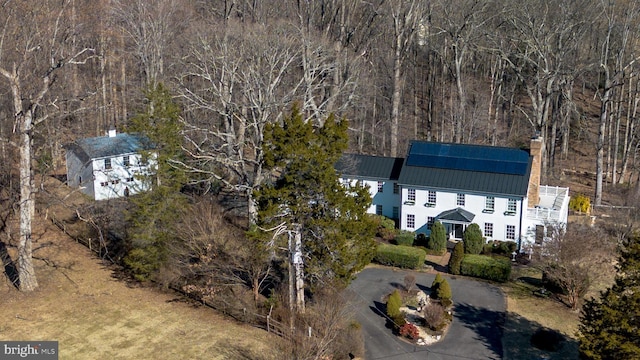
476, 331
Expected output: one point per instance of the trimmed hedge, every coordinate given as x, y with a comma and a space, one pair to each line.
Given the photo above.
405, 238
486, 267
431, 252
400, 256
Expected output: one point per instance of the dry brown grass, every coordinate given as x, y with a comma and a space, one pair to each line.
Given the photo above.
528, 313
95, 316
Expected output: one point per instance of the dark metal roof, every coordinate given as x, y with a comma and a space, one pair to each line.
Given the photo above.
370, 167
490, 178
492, 159
458, 215
106, 146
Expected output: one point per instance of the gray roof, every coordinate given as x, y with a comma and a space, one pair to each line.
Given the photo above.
456, 215
369, 167
485, 180
106, 146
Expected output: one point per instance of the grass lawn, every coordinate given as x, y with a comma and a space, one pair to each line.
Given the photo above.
95, 316
528, 313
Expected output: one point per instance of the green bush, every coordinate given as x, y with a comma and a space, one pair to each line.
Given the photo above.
456, 259
444, 291
387, 223
473, 240
487, 249
435, 284
405, 238
486, 267
421, 240
387, 234
499, 247
398, 321
438, 238
505, 247
400, 256
433, 252
393, 304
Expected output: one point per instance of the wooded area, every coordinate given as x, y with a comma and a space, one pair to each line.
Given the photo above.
473, 72
211, 81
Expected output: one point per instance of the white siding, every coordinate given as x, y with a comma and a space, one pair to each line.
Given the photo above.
474, 203
114, 182
100, 183
387, 199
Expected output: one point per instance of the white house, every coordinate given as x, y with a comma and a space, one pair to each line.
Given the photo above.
497, 188
109, 166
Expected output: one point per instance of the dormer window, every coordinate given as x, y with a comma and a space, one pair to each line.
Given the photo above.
107, 164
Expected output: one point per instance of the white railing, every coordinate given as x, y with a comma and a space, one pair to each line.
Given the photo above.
544, 214
546, 190
554, 207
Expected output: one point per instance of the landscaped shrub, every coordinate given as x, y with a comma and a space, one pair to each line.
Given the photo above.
400, 256
405, 238
487, 249
444, 293
438, 238
486, 267
385, 227
456, 258
409, 282
434, 316
473, 239
393, 304
387, 223
432, 252
387, 234
499, 247
421, 240
434, 285
410, 331
398, 321
580, 203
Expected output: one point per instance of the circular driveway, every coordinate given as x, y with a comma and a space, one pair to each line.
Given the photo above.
476, 331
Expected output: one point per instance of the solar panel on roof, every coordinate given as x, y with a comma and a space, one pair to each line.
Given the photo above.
468, 158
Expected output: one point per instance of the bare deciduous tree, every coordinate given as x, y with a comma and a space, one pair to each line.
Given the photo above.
30, 58
576, 258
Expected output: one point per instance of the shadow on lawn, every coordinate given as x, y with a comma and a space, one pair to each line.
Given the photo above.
514, 338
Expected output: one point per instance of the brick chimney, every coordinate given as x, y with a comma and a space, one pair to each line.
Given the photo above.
533, 193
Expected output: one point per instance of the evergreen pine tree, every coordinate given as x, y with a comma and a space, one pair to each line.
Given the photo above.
337, 233
154, 214
610, 326
473, 239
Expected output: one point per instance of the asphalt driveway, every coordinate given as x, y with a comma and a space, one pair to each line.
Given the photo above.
476, 331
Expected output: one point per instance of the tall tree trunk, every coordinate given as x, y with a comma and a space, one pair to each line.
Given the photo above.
600, 143
395, 102
24, 119
26, 272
